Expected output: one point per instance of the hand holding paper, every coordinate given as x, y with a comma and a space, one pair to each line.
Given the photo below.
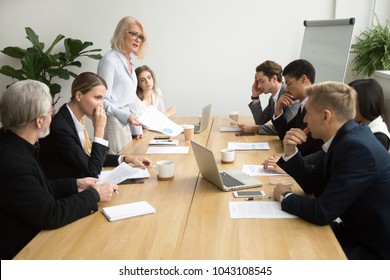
121, 173
157, 121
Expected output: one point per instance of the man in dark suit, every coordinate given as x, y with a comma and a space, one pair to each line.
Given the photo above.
352, 181
28, 201
298, 74
268, 79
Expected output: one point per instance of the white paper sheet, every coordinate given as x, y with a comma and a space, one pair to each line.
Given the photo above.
157, 121
258, 170
168, 150
257, 209
121, 173
164, 142
248, 146
229, 129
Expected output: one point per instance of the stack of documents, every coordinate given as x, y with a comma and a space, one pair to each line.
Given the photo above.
128, 210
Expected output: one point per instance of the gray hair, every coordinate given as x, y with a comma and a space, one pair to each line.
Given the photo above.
123, 26
23, 102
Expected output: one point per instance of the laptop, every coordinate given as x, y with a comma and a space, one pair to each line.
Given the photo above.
204, 121
227, 180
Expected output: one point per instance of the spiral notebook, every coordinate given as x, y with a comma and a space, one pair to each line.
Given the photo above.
128, 210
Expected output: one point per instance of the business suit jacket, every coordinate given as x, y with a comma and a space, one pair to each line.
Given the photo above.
282, 125
62, 154
261, 117
351, 182
28, 201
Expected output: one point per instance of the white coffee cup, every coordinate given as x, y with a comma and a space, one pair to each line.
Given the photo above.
188, 132
164, 169
227, 156
233, 115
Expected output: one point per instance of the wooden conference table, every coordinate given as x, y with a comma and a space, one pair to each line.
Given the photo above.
192, 219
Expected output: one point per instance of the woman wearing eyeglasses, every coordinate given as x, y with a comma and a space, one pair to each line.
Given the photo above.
117, 69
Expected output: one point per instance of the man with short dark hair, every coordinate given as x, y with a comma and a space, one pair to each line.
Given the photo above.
268, 79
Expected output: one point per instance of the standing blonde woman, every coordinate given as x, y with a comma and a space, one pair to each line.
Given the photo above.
117, 69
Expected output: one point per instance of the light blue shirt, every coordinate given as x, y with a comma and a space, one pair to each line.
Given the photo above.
122, 84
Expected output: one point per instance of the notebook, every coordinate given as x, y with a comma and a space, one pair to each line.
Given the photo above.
123, 211
204, 121
227, 180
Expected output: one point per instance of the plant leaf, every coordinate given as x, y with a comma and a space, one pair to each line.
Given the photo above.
32, 65
14, 52
34, 39
55, 42
95, 56
61, 73
54, 89
12, 72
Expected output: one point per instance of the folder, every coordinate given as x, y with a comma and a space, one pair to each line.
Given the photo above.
128, 210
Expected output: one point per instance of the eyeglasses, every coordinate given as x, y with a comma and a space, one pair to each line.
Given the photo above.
136, 36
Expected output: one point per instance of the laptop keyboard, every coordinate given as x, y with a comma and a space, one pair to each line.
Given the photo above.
229, 181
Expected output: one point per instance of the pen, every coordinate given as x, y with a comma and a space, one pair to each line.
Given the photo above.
116, 192
257, 197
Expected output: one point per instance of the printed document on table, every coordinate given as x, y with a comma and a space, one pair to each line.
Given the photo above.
257, 209
229, 129
121, 173
157, 121
248, 146
168, 150
258, 170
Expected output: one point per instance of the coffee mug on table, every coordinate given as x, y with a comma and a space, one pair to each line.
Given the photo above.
227, 156
164, 170
233, 115
188, 132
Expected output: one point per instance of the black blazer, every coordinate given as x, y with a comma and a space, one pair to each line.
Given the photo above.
282, 125
351, 182
62, 154
29, 202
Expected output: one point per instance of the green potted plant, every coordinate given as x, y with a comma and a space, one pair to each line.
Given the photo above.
44, 65
372, 50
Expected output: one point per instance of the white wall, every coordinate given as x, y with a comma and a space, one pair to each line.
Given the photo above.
202, 51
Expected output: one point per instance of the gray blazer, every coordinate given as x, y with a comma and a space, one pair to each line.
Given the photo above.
261, 117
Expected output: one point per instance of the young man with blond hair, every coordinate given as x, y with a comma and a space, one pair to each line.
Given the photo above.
352, 180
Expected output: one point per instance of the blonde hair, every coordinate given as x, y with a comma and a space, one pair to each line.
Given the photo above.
338, 97
123, 26
23, 102
85, 82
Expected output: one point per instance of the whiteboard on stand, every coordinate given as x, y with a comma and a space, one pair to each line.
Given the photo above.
326, 44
